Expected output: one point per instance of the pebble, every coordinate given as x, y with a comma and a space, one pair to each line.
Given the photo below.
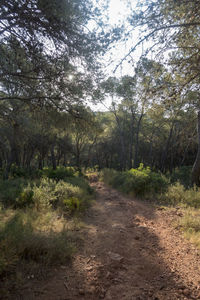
115, 257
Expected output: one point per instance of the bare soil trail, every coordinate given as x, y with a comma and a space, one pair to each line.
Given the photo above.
131, 251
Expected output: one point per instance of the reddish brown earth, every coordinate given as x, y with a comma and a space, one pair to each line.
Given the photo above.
131, 251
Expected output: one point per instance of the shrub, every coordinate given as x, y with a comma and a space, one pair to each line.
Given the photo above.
177, 194
44, 194
182, 175
174, 195
51, 193
61, 173
11, 190
81, 183
16, 171
72, 204
25, 198
65, 194
140, 182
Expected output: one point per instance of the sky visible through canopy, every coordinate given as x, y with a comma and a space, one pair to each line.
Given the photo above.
117, 13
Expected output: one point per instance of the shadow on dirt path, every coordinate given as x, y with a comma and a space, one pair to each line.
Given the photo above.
130, 251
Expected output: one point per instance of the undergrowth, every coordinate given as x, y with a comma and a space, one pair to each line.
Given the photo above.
35, 217
33, 236
141, 182
177, 194
190, 225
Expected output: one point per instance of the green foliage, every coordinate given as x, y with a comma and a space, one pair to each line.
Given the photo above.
60, 194
20, 172
25, 198
16, 171
50, 193
107, 175
174, 194
30, 234
72, 204
44, 194
140, 182
67, 194
183, 175
61, 173
20, 239
10, 190
177, 194
82, 184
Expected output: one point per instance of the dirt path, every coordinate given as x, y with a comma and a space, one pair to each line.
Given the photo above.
130, 251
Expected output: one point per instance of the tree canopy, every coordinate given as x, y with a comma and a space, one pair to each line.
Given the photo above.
44, 44
51, 65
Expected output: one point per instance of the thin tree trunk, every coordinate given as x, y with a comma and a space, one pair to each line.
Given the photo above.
136, 163
122, 143
64, 159
165, 151
196, 166
53, 158
131, 139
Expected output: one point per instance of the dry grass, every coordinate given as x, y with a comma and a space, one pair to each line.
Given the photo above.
190, 225
43, 237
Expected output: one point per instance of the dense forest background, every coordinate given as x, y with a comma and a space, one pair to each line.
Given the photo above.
50, 69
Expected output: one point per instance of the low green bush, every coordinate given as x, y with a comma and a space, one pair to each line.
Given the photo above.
182, 175
44, 193
25, 198
50, 193
140, 182
72, 204
82, 183
61, 173
10, 190
16, 171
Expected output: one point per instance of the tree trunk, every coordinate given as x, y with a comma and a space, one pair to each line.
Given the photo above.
53, 158
196, 166
40, 166
78, 158
165, 151
64, 160
131, 139
136, 162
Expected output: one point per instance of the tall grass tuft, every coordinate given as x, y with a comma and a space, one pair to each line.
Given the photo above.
190, 225
178, 194
24, 237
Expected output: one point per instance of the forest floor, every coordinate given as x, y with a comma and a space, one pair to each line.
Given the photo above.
131, 250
